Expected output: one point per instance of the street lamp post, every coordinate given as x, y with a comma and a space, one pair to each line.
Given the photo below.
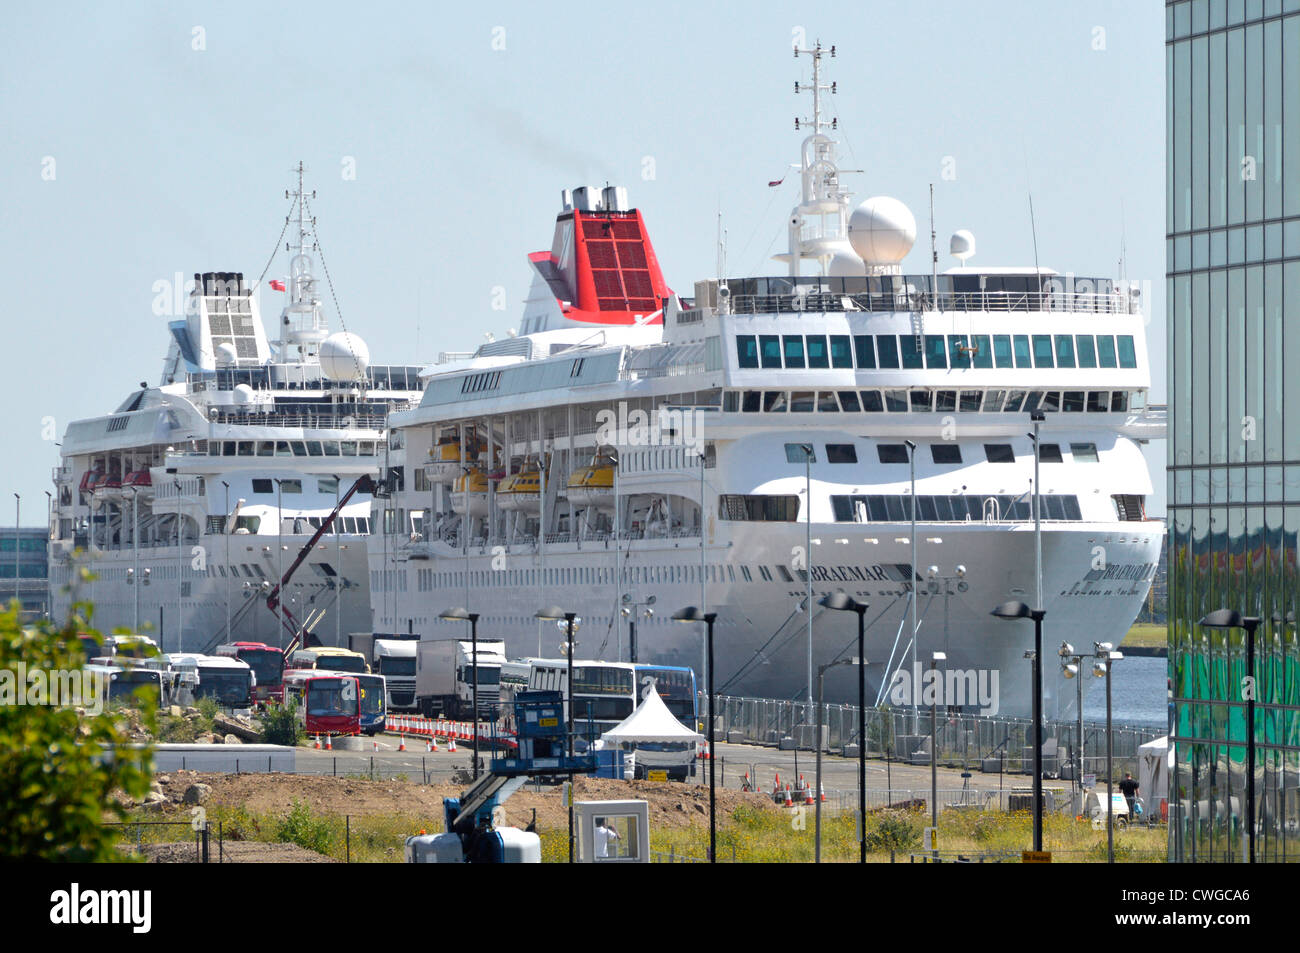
916, 623
817, 742
472, 617
338, 562
18, 507
1104, 655
1070, 668
844, 602
693, 614
228, 530
554, 613
1229, 619
1018, 610
180, 571
935, 659
629, 612
279, 545
807, 449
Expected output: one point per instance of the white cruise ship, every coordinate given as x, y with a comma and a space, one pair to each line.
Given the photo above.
630, 443
195, 497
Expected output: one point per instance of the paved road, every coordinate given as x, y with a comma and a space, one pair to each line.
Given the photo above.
886, 782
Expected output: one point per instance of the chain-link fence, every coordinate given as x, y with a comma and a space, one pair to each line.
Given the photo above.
971, 742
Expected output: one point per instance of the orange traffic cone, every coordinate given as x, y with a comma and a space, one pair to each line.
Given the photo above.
375, 743
789, 801
328, 745
433, 743
822, 791
318, 742
401, 745
452, 747
808, 796
746, 785
706, 755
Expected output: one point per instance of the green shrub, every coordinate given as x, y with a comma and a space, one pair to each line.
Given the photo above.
56, 788
301, 828
280, 726
894, 830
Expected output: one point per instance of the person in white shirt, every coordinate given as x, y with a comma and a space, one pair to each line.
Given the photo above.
603, 836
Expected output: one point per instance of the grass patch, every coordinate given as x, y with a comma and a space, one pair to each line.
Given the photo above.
1146, 635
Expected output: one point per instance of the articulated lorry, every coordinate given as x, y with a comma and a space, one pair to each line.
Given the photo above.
444, 677
391, 655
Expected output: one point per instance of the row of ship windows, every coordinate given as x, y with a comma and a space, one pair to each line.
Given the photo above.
771, 508
294, 525
291, 448
937, 351
924, 400
941, 453
428, 580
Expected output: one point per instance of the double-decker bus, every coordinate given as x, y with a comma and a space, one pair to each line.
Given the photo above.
267, 663
605, 693
326, 703
676, 686
374, 702
327, 658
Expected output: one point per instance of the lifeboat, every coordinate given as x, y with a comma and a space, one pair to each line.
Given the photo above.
110, 487
445, 457
142, 481
522, 491
593, 485
476, 482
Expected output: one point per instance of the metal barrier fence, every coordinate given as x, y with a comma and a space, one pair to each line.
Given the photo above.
967, 741
202, 837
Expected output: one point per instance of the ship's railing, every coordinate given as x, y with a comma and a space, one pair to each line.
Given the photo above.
528, 543
310, 421
819, 302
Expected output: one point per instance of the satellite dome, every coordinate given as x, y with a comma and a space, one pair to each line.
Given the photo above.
962, 245
244, 394
227, 356
344, 357
844, 262
882, 230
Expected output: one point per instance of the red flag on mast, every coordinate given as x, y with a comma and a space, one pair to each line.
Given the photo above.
277, 284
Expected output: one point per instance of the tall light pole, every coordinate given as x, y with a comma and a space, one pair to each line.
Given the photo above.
1104, 655
693, 614
845, 603
618, 567
279, 545
338, 561
1018, 610
1070, 668
180, 571
555, 613
935, 659
18, 505
807, 449
629, 611
817, 742
1230, 619
472, 617
916, 622
135, 546
49, 526
228, 530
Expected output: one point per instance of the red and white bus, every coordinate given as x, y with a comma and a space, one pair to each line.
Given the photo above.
326, 703
267, 663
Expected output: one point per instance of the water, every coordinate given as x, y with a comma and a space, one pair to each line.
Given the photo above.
1138, 693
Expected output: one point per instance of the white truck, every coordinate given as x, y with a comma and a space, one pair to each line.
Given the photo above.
444, 677
395, 660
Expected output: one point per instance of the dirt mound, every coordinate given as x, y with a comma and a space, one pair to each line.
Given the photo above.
672, 804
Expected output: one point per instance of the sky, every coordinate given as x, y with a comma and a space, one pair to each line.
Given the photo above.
150, 139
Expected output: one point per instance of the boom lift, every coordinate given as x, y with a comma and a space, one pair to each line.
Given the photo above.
296, 630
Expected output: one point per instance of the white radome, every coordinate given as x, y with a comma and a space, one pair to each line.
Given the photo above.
244, 394
844, 262
227, 356
344, 356
882, 230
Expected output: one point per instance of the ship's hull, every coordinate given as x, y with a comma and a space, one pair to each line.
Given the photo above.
1095, 578
200, 615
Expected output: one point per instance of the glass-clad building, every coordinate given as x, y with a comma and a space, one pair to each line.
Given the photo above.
1233, 259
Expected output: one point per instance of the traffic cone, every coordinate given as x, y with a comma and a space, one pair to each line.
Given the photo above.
428, 745
401, 745
375, 743
706, 755
746, 786
328, 745
433, 743
822, 792
808, 796
789, 801
318, 742
452, 747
